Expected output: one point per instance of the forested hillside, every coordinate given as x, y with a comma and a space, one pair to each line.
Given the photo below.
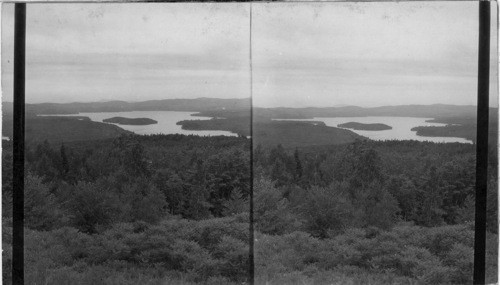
300, 134
370, 213
174, 209
63, 129
460, 126
269, 132
133, 210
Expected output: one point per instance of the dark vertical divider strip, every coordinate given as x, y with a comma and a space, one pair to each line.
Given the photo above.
482, 141
251, 264
18, 140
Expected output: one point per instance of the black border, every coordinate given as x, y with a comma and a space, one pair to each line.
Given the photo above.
18, 145
483, 79
251, 234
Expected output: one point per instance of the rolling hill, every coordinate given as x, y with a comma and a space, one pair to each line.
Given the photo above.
64, 129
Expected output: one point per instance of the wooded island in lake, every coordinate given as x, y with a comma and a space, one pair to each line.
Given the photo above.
365, 127
130, 121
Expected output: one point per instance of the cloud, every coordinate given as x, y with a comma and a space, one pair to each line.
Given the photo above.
85, 51
368, 54
372, 53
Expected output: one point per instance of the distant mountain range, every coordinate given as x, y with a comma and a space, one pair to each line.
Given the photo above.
241, 108
188, 105
426, 111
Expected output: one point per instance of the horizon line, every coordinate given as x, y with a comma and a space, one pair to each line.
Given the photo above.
248, 98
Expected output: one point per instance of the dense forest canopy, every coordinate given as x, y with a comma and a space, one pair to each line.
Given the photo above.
161, 205
176, 207
370, 212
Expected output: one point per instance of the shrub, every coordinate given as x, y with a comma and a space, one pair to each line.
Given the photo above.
40, 208
92, 207
326, 209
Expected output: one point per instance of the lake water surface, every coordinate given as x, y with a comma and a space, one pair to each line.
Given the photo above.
401, 128
167, 122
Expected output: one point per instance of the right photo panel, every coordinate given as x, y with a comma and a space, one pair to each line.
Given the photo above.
364, 142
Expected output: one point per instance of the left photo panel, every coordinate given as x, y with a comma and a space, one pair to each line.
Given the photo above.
137, 143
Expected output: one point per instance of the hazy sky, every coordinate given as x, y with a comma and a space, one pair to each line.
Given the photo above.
365, 54
304, 54
131, 52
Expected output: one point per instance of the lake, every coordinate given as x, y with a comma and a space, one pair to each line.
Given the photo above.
167, 122
401, 128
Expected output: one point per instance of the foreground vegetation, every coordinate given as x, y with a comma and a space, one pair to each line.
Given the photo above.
406, 254
174, 250
173, 209
396, 212
133, 210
